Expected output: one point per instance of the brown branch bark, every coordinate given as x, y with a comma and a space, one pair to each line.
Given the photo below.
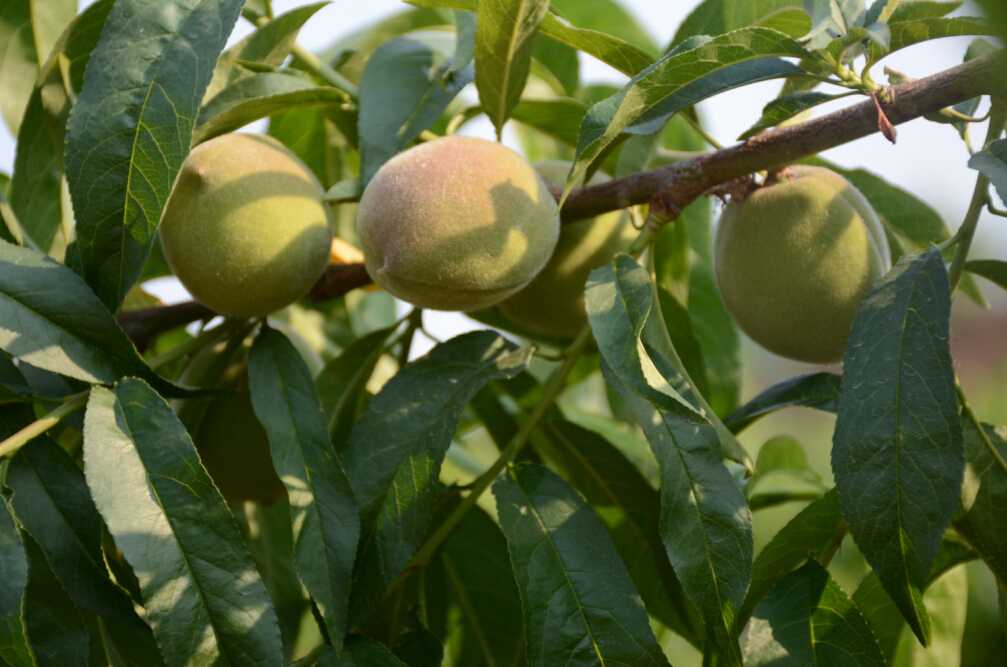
678, 185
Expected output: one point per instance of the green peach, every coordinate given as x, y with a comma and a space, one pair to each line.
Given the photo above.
553, 302
245, 229
457, 223
795, 259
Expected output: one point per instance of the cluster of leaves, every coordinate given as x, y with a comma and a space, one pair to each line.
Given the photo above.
118, 549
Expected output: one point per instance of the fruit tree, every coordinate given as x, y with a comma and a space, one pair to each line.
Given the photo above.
277, 472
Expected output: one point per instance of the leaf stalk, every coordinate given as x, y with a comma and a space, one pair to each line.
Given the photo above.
40, 426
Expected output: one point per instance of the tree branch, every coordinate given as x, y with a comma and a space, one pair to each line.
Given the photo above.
678, 185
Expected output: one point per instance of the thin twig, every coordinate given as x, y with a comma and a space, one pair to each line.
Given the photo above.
40, 426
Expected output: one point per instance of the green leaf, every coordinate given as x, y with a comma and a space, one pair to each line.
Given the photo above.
259, 96
560, 118
992, 161
606, 16
322, 508
52, 503
555, 63
789, 20
37, 195
907, 33
14, 564
394, 455
628, 506
898, 452
128, 647
979, 518
682, 79
786, 107
402, 94
56, 632
782, 474
504, 38
618, 297
949, 594
716, 17
815, 390
911, 10
131, 126
342, 382
57, 324
705, 523
29, 29
814, 530
270, 45
718, 338
200, 588
902, 212
881, 613
481, 586
612, 51
684, 338
808, 620
993, 270
360, 652
13, 387
579, 603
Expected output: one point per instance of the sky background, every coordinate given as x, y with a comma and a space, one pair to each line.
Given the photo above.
928, 160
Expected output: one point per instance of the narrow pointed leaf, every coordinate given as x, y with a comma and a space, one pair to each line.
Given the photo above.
607, 16
681, 79
13, 386
815, 528
618, 297
907, 33
716, 17
360, 651
481, 584
504, 37
341, 382
55, 629
560, 118
322, 509
630, 509
705, 522
992, 161
718, 338
14, 565
204, 599
786, 107
52, 502
922, 9
270, 44
782, 474
898, 452
612, 51
881, 613
579, 603
49, 318
815, 390
807, 621
28, 30
36, 187
131, 126
259, 96
991, 269
980, 518
394, 456
133, 647
402, 94
949, 594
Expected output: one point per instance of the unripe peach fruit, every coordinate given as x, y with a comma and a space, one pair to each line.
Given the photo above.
794, 260
245, 229
456, 224
553, 302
